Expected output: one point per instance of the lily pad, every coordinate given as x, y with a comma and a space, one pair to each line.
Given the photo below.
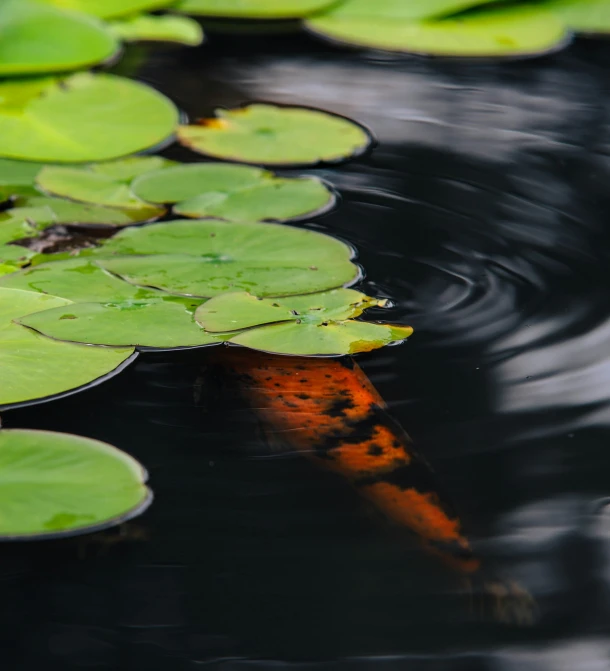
205, 258
413, 10
13, 257
22, 222
37, 38
18, 173
234, 192
241, 310
583, 16
161, 324
149, 28
57, 484
85, 117
90, 186
271, 135
34, 368
252, 9
109, 9
504, 31
318, 324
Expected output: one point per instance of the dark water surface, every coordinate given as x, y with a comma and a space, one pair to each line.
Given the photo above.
484, 215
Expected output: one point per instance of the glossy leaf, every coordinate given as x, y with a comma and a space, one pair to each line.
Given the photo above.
241, 310
253, 9
57, 484
62, 121
233, 192
89, 186
270, 135
34, 368
37, 38
109, 9
205, 258
505, 31
149, 28
583, 16
160, 324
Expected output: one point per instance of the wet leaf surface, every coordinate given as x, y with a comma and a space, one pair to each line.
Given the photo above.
270, 135
37, 38
56, 484
150, 28
35, 368
59, 120
253, 9
506, 31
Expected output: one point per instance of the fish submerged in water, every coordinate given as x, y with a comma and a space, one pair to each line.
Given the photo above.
328, 410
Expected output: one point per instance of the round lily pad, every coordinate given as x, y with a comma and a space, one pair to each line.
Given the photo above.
109, 9
276, 136
34, 368
89, 186
85, 117
233, 192
252, 9
160, 325
205, 258
56, 484
583, 16
149, 28
506, 31
37, 38
241, 310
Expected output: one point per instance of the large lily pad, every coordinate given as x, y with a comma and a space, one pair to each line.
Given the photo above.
160, 324
109, 9
56, 484
84, 117
276, 136
318, 324
36, 38
504, 31
34, 368
149, 28
583, 16
252, 9
205, 258
233, 192
91, 186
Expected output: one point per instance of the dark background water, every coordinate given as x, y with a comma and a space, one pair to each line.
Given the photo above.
483, 214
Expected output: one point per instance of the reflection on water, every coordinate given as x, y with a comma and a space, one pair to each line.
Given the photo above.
483, 215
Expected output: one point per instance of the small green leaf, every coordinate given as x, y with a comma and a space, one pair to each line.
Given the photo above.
57, 484
110, 9
62, 120
36, 38
34, 368
252, 9
148, 28
506, 31
270, 135
159, 324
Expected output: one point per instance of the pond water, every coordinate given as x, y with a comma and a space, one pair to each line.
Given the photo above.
483, 214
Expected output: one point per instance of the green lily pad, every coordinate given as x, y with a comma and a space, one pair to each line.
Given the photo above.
149, 28
18, 173
89, 186
84, 117
160, 325
583, 16
252, 9
23, 222
413, 10
37, 38
110, 9
317, 324
70, 212
205, 258
504, 31
241, 310
233, 192
126, 169
34, 368
13, 257
78, 279
271, 135
57, 484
